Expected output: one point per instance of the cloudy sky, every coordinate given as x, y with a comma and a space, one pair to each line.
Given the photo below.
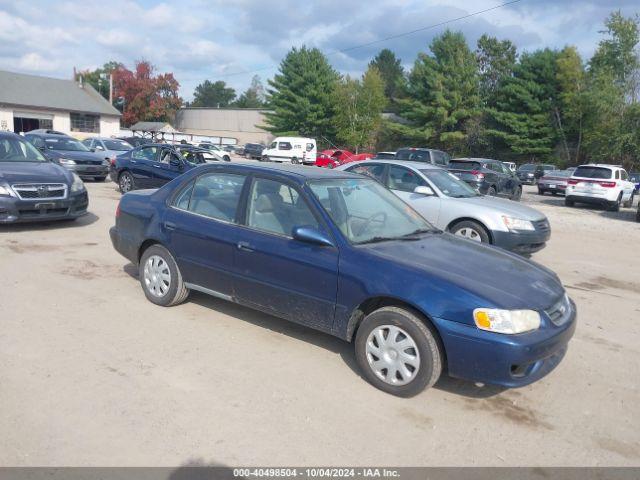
232, 40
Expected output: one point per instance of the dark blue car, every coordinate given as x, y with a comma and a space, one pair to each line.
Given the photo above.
338, 252
150, 166
33, 188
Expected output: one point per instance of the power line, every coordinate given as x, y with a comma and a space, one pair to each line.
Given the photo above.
386, 39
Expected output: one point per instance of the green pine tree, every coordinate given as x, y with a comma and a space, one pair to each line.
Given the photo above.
302, 96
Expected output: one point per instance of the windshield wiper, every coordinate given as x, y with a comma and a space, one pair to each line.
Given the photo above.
414, 235
377, 240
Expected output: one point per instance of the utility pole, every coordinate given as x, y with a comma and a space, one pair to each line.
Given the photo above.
111, 88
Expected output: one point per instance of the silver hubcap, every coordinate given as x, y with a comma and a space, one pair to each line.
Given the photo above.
392, 355
125, 183
157, 276
469, 233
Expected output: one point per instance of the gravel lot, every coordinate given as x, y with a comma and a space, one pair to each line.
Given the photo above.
91, 373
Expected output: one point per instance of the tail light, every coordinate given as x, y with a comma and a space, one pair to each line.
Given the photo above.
608, 184
478, 174
113, 161
572, 182
118, 210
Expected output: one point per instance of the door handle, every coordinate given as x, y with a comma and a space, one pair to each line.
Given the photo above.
169, 225
156, 166
245, 246
133, 161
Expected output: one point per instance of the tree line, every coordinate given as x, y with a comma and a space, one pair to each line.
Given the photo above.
549, 105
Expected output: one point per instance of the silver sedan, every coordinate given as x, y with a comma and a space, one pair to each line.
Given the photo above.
452, 205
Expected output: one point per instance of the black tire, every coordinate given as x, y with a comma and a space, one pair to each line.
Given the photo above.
615, 207
295, 161
540, 192
475, 226
264, 158
226, 158
517, 195
569, 203
629, 203
126, 182
492, 191
554, 193
177, 292
425, 339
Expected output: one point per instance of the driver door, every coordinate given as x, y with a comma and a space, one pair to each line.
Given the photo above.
403, 181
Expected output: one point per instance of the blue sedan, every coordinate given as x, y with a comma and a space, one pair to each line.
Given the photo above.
338, 252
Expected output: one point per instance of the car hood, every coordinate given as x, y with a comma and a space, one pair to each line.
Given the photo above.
500, 278
504, 206
73, 155
33, 172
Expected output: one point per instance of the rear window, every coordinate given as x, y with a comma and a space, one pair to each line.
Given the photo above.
527, 167
414, 155
464, 165
592, 172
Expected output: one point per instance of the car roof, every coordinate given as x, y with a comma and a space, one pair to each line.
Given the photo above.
49, 135
474, 159
7, 134
301, 172
601, 165
402, 163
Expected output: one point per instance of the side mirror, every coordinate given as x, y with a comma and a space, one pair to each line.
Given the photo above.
424, 190
312, 235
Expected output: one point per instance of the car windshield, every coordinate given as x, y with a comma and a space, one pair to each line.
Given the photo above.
527, 167
462, 165
17, 150
366, 212
592, 172
449, 184
67, 144
117, 145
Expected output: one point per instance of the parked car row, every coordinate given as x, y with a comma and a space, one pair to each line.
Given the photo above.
337, 251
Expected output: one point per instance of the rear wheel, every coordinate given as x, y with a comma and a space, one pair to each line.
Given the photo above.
295, 161
629, 203
615, 206
160, 277
471, 231
126, 182
264, 158
226, 158
397, 352
492, 191
540, 191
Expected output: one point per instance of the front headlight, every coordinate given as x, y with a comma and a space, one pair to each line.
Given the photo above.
67, 161
529, 174
506, 321
517, 224
77, 185
6, 191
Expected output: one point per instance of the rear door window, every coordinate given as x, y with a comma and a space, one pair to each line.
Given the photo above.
593, 172
284, 146
146, 153
403, 179
414, 155
457, 165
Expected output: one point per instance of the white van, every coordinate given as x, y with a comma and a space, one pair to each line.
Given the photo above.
291, 149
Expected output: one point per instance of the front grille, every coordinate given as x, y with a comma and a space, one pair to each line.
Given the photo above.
94, 163
542, 225
560, 312
38, 191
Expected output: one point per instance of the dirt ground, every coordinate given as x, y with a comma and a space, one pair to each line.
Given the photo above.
93, 374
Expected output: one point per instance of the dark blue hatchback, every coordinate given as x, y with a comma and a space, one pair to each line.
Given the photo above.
339, 253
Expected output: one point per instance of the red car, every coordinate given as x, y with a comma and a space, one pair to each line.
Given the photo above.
333, 158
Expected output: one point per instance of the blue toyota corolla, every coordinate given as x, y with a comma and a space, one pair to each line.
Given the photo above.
340, 253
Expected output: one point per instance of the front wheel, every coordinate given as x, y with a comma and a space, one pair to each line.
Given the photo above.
226, 158
126, 182
160, 277
295, 161
471, 231
398, 352
492, 191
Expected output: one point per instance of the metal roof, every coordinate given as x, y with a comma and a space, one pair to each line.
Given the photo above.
156, 127
52, 93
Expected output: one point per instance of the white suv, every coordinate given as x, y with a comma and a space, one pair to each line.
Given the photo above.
606, 185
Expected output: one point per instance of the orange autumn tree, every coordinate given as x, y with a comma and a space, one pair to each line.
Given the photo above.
145, 96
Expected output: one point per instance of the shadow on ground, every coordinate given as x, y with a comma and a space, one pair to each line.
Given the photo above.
317, 338
83, 221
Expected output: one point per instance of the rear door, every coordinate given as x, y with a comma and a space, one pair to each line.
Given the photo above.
142, 165
201, 224
276, 273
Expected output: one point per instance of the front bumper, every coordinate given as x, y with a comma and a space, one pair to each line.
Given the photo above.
593, 198
507, 360
527, 180
522, 242
14, 210
89, 170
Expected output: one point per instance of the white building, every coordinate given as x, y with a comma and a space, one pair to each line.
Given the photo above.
28, 102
